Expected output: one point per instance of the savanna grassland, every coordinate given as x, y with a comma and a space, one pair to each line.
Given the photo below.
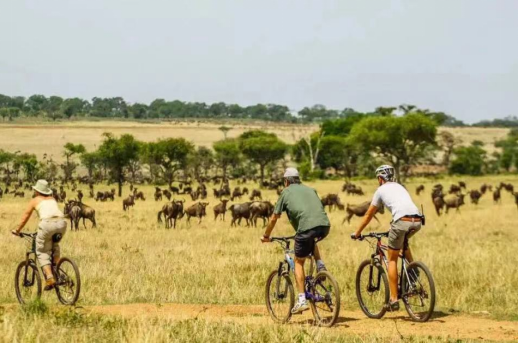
131, 259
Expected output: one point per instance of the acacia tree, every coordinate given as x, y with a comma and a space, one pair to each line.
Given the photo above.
262, 148
227, 154
448, 142
6, 159
402, 141
70, 166
91, 161
170, 155
118, 153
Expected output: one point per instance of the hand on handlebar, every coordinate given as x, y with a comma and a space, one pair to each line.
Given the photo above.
16, 233
355, 236
265, 239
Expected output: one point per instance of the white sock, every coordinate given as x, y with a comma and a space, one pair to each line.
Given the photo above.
302, 298
320, 264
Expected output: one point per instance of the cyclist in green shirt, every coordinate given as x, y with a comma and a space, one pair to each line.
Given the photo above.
309, 219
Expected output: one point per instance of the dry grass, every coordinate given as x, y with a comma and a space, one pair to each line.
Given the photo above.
51, 137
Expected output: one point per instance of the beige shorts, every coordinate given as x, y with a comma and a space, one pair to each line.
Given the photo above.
45, 247
398, 231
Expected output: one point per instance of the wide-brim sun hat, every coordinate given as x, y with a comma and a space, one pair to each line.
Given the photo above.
291, 172
42, 187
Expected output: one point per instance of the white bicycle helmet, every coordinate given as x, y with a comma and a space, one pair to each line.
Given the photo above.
386, 172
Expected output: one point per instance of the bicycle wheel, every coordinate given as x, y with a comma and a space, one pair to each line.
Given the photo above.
372, 289
418, 292
325, 302
68, 281
280, 296
27, 282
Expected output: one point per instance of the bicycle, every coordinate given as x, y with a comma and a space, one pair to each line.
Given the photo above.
321, 290
411, 288
27, 282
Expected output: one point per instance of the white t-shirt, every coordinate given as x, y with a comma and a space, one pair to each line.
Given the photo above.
396, 198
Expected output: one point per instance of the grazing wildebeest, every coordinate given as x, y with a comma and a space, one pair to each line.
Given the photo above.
419, 189
187, 190
73, 211
462, 184
197, 210
220, 209
496, 195
240, 211
86, 212
454, 201
438, 203
360, 210
484, 188
62, 194
454, 189
80, 195
475, 196
236, 193
174, 190
332, 200
139, 196
172, 211
158, 194
355, 191
507, 186
260, 209
167, 194
128, 202
195, 195
20, 194
256, 194
245, 191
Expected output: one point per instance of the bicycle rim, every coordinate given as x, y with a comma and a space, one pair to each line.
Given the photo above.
280, 297
325, 301
68, 282
372, 289
27, 283
419, 292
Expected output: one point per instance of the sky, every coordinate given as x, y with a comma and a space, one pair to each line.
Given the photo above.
456, 56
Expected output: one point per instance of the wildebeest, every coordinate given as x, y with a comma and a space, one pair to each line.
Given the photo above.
80, 195
171, 211
475, 196
256, 194
438, 203
73, 211
515, 198
236, 193
20, 194
158, 194
245, 191
195, 195
419, 189
454, 189
197, 210
103, 196
484, 188
139, 196
240, 211
1, 192
220, 209
507, 186
174, 190
454, 201
360, 210
496, 195
128, 202
331, 200
260, 209
167, 194
351, 188
86, 212
462, 184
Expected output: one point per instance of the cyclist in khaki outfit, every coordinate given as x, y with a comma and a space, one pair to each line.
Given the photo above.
406, 221
51, 228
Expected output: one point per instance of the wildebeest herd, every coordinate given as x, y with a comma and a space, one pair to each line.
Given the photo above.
247, 212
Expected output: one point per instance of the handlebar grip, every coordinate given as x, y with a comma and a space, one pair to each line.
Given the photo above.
353, 236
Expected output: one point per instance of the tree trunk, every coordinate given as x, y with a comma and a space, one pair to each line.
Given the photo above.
120, 180
262, 174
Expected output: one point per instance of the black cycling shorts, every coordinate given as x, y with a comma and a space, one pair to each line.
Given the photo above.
305, 241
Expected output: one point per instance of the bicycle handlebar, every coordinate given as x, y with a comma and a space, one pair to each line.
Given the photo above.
377, 235
282, 239
23, 234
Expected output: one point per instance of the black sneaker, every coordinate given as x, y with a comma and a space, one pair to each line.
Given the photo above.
392, 306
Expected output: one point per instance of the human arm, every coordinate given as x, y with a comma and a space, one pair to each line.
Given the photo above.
269, 228
366, 220
25, 217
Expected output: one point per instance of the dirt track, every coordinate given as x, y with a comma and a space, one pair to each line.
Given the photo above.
443, 325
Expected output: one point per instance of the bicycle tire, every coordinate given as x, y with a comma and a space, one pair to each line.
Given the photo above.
427, 314
36, 282
330, 287
290, 297
384, 296
64, 277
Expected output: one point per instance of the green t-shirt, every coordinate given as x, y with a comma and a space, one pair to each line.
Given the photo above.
303, 207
